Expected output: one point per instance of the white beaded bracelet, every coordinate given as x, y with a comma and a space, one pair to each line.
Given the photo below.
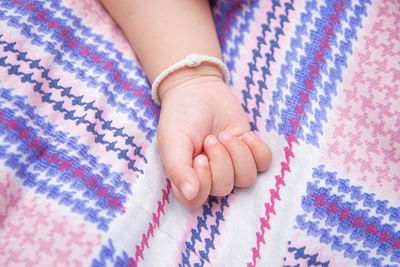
191, 60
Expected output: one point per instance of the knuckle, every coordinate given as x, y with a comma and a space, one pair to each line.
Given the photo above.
172, 172
221, 190
219, 152
264, 159
247, 179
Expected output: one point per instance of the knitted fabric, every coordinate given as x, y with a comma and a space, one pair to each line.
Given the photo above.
81, 180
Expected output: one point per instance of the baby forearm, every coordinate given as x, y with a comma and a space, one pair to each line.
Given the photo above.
162, 32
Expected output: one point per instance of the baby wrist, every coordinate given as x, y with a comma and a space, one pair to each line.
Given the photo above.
193, 66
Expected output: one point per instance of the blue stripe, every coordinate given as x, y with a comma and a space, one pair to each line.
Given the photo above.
202, 224
303, 72
214, 229
328, 89
108, 256
268, 57
25, 157
320, 223
76, 101
103, 170
81, 74
129, 65
230, 49
312, 260
291, 57
335, 74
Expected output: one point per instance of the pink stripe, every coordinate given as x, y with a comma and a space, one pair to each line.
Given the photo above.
295, 123
96, 58
152, 226
231, 14
67, 80
357, 221
95, 16
64, 164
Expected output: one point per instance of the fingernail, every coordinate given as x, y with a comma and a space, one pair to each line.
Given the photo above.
225, 136
250, 137
187, 190
212, 140
202, 161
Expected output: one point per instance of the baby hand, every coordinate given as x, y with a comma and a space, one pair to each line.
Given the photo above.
205, 140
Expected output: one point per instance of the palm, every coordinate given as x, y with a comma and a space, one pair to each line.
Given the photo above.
200, 108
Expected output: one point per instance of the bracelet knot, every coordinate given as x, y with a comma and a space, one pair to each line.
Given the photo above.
192, 60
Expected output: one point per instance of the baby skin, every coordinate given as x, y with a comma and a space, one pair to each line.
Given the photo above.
203, 134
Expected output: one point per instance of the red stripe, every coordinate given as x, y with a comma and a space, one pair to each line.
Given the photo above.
96, 58
152, 226
357, 221
295, 123
63, 164
231, 15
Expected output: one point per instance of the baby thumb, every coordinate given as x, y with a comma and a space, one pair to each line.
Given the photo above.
176, 152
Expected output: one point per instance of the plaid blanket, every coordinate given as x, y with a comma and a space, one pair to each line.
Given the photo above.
81, 180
